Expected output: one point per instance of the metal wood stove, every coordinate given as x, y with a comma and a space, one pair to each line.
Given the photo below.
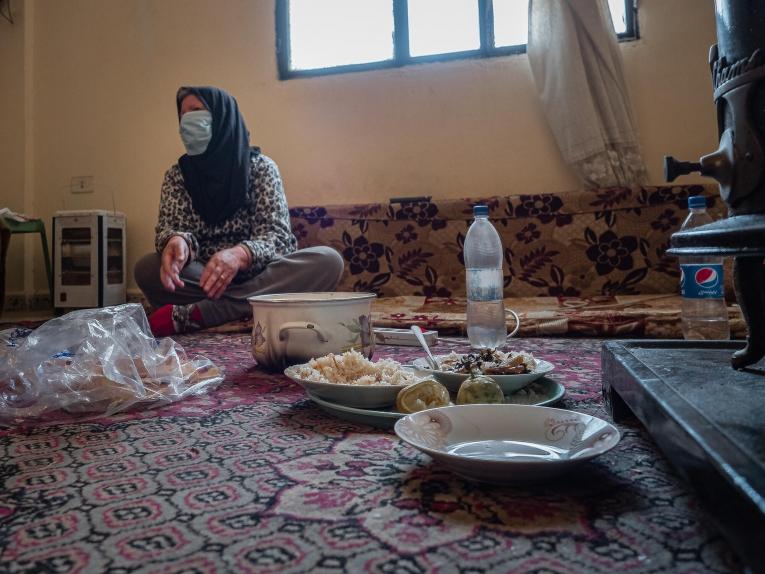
709, 419
738, 69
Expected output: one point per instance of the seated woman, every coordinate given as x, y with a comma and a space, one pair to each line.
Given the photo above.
224, 230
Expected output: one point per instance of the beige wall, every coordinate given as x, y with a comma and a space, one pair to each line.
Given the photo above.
12, 139
105, 73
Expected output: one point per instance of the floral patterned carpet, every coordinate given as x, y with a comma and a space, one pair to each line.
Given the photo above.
255, 478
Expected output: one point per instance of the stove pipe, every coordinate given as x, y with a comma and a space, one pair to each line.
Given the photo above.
737, 64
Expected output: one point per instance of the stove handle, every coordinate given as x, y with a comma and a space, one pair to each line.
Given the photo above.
674, 168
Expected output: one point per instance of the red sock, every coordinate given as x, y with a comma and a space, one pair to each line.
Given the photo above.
161, 321
164, 321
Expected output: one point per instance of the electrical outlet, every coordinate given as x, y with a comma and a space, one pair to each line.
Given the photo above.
81, 184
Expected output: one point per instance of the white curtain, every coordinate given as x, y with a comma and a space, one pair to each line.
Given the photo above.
577, 67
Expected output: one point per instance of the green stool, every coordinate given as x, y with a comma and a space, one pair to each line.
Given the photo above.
9, 227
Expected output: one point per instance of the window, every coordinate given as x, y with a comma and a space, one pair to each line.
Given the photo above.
332, 36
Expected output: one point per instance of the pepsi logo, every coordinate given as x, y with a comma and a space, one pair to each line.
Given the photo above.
682, 277
707, 277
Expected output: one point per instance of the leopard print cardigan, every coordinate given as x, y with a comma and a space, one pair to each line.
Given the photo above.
262, 224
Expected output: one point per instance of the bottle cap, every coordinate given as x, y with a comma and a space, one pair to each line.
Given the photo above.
697, 201
480, 210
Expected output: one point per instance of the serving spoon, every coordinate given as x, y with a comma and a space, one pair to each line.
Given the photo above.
431, 359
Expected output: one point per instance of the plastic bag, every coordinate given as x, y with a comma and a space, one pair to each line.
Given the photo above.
95, 362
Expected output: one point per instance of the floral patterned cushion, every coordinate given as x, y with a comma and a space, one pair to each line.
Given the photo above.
624, 316
589, 263
602, 242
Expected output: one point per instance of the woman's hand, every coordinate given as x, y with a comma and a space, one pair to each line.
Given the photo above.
221, 270
174, 257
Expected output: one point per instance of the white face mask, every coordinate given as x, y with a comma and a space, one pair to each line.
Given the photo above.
196, 131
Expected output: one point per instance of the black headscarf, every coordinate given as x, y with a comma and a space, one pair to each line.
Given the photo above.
218, 179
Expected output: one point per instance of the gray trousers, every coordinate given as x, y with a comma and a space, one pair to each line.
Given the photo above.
310, 269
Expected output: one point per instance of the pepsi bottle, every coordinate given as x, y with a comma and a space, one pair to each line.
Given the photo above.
704, 313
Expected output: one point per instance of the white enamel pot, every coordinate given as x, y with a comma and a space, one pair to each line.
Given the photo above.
292, 328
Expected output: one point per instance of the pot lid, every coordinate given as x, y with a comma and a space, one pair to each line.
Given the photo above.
316, 298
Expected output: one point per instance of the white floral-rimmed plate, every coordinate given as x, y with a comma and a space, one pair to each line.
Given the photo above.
507, 443
359, 396
508, 383
541, 392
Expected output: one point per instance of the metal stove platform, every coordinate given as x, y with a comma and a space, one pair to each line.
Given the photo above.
709, 421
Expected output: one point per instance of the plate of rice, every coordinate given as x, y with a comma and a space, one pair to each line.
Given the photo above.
353, 380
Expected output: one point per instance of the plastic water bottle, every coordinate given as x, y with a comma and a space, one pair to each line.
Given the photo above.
486, 325
704, 313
